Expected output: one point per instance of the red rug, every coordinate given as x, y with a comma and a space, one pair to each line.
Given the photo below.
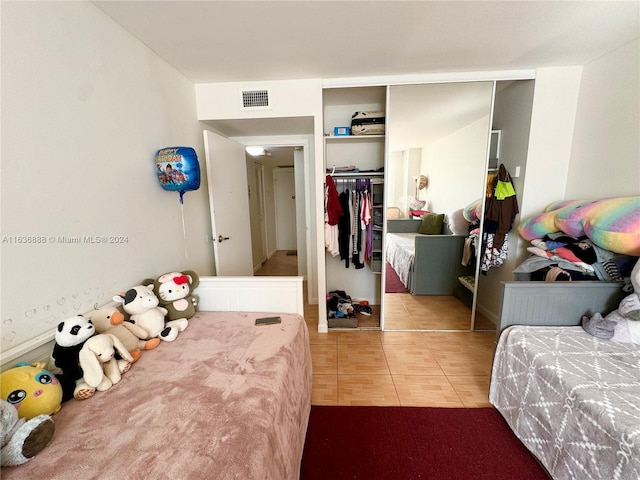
404, 443
392, 283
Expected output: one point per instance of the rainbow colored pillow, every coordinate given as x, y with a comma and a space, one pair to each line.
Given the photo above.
611, 223
545, 223
473, 211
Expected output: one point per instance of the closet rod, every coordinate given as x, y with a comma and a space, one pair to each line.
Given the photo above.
357, 174
353, 179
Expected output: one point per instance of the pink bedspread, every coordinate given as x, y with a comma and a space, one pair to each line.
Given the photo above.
226, 400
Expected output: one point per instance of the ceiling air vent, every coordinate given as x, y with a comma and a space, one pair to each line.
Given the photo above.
256, 99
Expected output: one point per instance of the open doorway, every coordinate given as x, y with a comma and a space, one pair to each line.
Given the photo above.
275, 208
271, 133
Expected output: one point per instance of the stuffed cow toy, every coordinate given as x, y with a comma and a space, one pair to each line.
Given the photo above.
142, 306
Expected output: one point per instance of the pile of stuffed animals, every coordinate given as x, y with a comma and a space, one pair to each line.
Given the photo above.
91, 353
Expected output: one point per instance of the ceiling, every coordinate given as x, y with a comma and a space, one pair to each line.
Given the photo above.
275, 157
229, 41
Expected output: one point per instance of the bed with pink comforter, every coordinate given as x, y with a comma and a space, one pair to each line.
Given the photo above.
226, 400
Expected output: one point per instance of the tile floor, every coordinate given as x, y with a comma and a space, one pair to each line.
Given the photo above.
405, 368
436, 369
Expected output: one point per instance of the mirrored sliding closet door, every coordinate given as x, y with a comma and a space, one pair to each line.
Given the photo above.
436, 170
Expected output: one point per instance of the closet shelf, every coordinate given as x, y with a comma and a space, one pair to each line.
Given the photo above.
353, 138
357, 174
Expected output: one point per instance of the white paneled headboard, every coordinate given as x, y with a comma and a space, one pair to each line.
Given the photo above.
239, 294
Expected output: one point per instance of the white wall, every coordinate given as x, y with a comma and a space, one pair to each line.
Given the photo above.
605, 159
85, 106
555, 99
456, 167
396, 190
287, 98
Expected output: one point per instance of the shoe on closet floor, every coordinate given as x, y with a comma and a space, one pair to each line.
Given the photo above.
362, 309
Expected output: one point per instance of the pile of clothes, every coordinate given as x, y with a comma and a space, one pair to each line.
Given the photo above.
560, 257
340, 305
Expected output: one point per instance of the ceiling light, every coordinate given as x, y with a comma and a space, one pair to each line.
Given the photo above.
255, 151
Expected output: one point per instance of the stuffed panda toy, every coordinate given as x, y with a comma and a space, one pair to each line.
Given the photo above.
70, 335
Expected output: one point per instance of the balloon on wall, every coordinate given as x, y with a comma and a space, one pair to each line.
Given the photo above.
178, 169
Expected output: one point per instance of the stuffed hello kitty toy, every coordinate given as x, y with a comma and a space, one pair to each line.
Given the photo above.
623, 324
175, 293
142, 306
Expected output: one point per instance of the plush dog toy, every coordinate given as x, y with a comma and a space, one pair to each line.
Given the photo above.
99, 365
142, 305
31, 390
175, 293
22, 439
70, 335
623, 324
111, 320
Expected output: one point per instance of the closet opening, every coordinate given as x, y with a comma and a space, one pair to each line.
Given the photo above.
353, 238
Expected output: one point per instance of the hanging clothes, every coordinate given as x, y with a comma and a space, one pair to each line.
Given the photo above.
354, 225
366, 215
491, 177
501, 209
332, 212
356, 228
344, 228
471, 245
332, 202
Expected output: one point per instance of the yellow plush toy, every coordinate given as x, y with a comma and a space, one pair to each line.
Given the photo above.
32, 390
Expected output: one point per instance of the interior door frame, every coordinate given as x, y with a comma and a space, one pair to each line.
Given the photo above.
259, 177
294, 141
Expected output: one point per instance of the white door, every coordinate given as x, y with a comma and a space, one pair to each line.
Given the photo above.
285, 196
229, 202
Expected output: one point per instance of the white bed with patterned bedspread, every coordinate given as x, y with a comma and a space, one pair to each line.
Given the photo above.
400, 252
572, 399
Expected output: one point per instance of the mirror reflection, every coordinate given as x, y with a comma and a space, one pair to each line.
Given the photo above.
438, 138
